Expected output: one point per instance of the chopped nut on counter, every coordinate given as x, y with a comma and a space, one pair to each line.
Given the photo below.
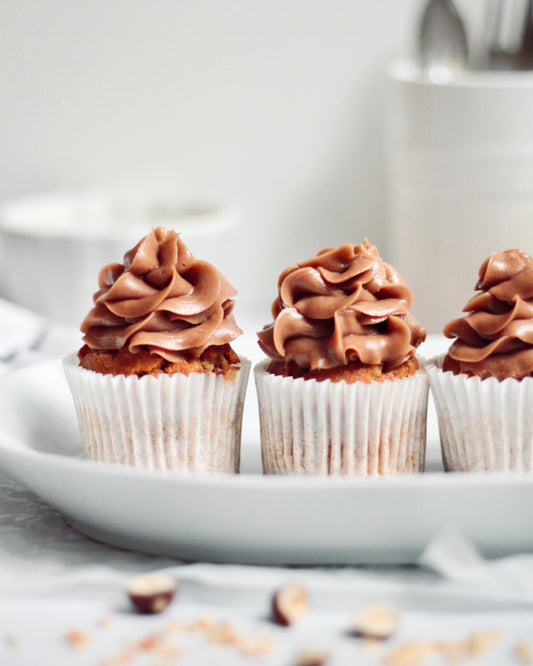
119, 660
523, 652
473, 646
13, 643
411, 653
160, 646
312, 657
202, 623
375, 621
289, 604
249, 645
223, 633
154, 644
255, 646
78, 640
151, 593
176, 626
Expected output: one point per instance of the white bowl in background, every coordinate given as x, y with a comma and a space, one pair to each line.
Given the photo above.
52, 246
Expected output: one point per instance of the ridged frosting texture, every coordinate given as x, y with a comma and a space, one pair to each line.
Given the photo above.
495, 338
343, 305
163, 299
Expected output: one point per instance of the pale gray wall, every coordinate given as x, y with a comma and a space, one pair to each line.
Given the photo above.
273, 105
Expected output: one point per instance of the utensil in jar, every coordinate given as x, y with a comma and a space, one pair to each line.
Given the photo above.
526, 44
509, 34
442, 41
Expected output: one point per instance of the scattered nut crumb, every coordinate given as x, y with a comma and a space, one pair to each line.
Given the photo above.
202, 623
119, 660
148, 642
408, 654
176, 626
13, 643
289, 604
373, 648
157, 644
78, 640
166, 649
223, 633
375, 621
105, 622
312, 657
124, 657
151, 593
152, 643
523, 652
254, 646
476, 644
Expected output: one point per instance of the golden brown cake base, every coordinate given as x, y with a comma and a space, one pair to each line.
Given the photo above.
351, 373
220, 360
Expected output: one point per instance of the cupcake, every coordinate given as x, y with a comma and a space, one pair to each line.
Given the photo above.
157, 383
483, 386
342, 392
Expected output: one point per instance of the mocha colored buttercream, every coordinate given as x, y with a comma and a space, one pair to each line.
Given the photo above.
495, 338
343, 305
161, 299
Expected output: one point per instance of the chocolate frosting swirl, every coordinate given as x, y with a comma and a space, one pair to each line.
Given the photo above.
343, 305
161, 299
495, 338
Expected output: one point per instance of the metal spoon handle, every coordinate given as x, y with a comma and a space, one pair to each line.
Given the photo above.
442, 42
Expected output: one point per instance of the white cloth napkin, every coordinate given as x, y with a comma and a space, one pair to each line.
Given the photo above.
55, 579
509, 579
26, 337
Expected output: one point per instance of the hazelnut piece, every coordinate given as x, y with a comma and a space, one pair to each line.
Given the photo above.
151, 593
376, 621
313, 657
289, 604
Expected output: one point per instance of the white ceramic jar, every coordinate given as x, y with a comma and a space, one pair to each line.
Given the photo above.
459, 180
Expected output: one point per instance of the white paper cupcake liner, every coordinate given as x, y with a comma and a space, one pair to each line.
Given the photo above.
336, 428
176, 422
484, 424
